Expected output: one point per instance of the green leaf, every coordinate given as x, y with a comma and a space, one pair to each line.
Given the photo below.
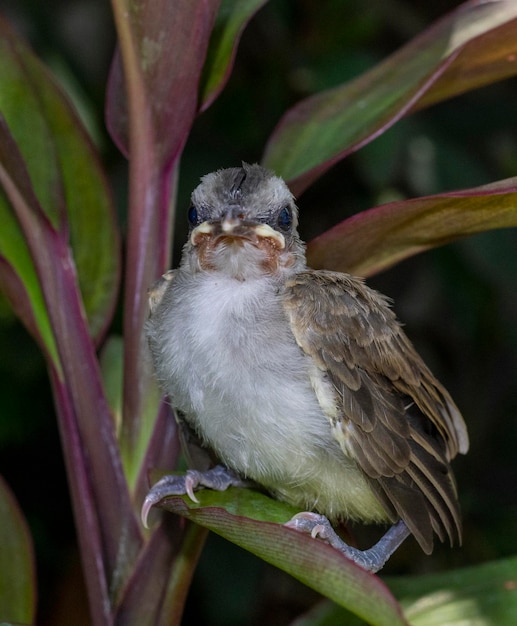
111, 362
232, 18
254, 521
376, 239
18, 277
59, 202
483, 595
328, 613
17, 567
471, 47
66, 180
95, 474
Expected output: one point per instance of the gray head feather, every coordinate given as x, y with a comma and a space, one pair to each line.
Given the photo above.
255, 190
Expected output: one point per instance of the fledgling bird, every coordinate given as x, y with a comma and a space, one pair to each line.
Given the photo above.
301, 381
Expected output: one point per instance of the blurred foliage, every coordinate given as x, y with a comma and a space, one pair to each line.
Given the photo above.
459, 303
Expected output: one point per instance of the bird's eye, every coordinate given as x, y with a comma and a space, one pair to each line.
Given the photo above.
285, 218
193, 216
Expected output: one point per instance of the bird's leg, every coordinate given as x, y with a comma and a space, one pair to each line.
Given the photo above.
218, 478
372, 559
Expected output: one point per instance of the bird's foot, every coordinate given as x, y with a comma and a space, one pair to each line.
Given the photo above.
371, 560
218, 478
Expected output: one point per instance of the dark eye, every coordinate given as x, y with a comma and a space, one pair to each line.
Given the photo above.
193, 216
285, 218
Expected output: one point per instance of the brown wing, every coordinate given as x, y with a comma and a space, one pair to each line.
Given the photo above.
396, 419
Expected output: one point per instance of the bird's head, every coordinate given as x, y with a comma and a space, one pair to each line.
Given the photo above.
243, 222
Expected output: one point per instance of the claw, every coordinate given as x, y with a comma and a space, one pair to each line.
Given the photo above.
371, 560
191, 482
218, 478
312, 523
317, 531
172, 485
146, 507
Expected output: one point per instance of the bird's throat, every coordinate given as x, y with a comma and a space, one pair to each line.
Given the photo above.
241, 258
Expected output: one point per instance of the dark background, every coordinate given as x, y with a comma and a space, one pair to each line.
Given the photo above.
459, 303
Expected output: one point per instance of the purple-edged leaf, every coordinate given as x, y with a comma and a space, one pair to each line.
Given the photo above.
376, 239
95, 476
157, 590
117, 114
255, 522
152, 102
473, 46
109, 535
162, 51
232, 18
55, 201
17, 566
64, 175
18, 276
107, 529
483, 59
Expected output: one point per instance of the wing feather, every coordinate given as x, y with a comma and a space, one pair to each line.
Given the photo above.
396, 420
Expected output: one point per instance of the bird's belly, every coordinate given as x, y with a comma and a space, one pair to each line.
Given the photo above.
262, 417
283, 441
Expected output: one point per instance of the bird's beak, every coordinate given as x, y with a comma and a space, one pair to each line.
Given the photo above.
235, 229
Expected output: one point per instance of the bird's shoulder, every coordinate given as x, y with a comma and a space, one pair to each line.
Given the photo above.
349, 328
353, 335
334, 306
157, 290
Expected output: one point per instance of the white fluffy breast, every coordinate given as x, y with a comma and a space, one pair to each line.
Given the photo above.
226, 356
229, 361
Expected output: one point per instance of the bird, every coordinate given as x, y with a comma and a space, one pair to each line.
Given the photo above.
300, 381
